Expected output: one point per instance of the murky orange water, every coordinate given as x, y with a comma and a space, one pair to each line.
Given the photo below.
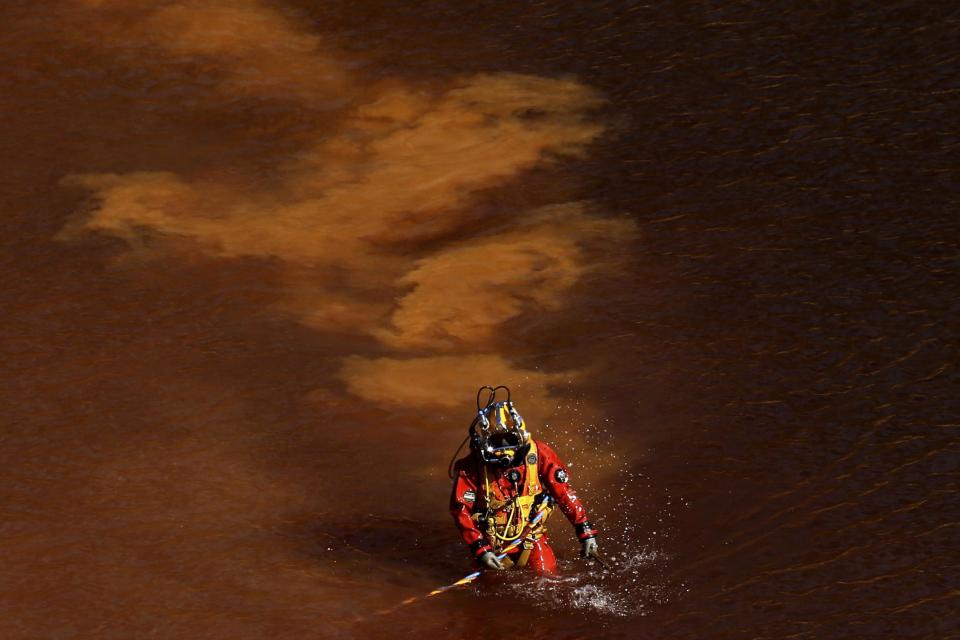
257, 257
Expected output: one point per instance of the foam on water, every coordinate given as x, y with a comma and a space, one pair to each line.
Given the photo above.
626, 589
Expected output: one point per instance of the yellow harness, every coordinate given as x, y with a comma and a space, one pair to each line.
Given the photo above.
507, 518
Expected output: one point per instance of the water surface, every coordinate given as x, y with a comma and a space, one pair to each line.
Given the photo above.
257, 256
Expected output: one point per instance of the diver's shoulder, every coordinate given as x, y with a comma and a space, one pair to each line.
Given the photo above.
543, 445
466, 464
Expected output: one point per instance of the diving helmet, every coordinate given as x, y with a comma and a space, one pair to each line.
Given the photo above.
498, 433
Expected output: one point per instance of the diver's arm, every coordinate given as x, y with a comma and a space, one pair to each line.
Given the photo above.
555, 478
462, 501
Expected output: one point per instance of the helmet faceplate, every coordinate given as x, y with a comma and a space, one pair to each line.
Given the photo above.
499, 434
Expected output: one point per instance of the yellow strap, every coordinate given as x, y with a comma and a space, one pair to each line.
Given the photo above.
524, 557
486, 485
533, 477
531, 488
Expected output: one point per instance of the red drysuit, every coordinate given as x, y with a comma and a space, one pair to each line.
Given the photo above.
468, 498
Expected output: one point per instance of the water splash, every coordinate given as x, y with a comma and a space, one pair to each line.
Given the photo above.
635, 518
629, 588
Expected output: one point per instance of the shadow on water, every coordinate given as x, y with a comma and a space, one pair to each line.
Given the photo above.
396, 544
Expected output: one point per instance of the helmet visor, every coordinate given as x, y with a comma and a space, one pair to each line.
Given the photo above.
504, 440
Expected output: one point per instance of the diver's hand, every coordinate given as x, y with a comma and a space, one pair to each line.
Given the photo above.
490, 561
590, 549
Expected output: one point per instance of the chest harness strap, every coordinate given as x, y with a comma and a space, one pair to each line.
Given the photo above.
507, 518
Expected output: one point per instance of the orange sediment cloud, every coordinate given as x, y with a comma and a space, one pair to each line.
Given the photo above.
463, 293
252, 48
440, 381
381, 194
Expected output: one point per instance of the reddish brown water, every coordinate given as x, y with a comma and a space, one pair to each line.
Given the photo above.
257, 257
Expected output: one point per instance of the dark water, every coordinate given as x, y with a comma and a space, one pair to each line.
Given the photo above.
257, 256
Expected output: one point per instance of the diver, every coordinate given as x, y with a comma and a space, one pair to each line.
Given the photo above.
506, 487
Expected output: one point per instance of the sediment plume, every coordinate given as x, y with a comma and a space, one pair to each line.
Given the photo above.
373, 220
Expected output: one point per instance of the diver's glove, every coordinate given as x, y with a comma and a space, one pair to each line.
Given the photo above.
590, 549
490, 561
588, 540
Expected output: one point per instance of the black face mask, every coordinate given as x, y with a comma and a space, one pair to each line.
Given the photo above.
499, 440
505, 462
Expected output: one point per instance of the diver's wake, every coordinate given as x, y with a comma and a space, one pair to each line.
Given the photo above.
617, 590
